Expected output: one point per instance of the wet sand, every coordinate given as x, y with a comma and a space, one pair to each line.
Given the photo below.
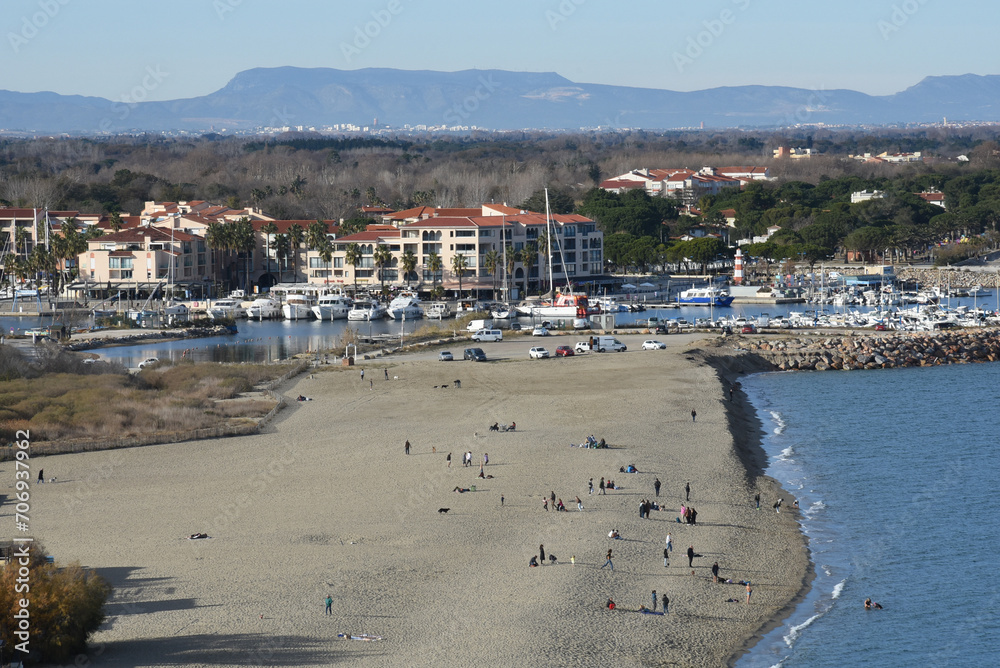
325, 502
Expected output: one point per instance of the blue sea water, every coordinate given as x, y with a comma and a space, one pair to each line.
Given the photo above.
896, 476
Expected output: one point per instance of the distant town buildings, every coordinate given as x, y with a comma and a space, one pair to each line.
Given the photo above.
891, 158
685, 185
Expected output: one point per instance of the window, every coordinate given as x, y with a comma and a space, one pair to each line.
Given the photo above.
465, 248
465, 233
120, 263
338, 263
570, 258
569, 231
317, 263
569, 244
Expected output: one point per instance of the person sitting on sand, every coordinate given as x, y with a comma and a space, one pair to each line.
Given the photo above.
610, 604
197, 536
614, 534
533, 563
461, 490
560, 506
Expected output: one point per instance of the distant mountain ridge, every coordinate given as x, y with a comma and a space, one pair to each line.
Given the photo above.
492, 99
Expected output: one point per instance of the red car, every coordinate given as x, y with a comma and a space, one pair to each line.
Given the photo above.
564, 351
748, 329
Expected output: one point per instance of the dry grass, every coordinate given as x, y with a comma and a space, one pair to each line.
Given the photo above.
111, 405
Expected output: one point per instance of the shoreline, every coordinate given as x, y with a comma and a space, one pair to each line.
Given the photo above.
749, 444
348, 514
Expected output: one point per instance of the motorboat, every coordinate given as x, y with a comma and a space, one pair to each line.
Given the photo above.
405, 306
502, 312
438, 310
264, 308
707, 296
366, 309
226, 308
298, 306
333, 306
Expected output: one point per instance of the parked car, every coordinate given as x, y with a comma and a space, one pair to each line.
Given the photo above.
475, 354
748, 329
564, 351
515, 327
445, 356
538, 353
582, 347
539, 331
651, 344
661, 329
879, 327
149, 361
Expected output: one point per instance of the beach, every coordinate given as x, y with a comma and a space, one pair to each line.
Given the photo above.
326, 503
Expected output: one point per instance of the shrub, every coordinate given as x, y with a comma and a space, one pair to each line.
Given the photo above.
66, 606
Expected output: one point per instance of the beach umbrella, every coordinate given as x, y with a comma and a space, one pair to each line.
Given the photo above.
628, 286
646, 285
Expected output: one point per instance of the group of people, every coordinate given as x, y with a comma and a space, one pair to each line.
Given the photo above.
645, 506
496, 426
689, 515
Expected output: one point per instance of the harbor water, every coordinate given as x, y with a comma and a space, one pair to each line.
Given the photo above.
895, 474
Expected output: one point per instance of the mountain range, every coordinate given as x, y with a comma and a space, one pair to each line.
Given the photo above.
490, 99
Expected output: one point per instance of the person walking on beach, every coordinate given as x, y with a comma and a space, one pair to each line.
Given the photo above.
371, 385
777, 505
694, 415
687, 491
579, 504
690, 556
749, 592
666, 603
608, 562
486, 458
756, 499
501, 500
602, 487
666, 555
41, 475
654, 600
590, 487
329, 605
449, 460
386, 369
670, 544
656, 486
362, 375
541, 554
406, 447
545, 504
552, 497
715, 572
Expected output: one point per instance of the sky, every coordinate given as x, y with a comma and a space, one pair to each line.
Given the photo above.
137, 50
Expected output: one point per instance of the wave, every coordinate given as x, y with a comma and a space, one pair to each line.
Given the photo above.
838, 589
795, 631
814, 508
780, 429
786, 454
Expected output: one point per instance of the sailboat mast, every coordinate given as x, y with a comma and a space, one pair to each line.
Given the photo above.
548, 233
503, 246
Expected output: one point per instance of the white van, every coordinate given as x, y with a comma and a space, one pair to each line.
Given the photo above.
488, 335
476, 325
608, 343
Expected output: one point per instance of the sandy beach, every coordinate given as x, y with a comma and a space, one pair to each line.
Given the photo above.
325, 502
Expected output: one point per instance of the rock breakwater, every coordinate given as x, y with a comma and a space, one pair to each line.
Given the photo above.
845, 353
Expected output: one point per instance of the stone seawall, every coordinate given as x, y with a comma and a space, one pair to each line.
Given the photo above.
818, 353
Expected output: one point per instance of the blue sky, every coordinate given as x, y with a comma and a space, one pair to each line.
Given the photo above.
167, 49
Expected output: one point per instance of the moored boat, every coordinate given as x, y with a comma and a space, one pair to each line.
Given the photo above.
707, 296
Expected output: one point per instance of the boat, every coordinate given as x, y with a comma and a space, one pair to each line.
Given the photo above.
264, 308
366, 309
405, 306
566, 305
298, 306
705, 296
438, 310
333, 306
226, 308
502, 312
175, 309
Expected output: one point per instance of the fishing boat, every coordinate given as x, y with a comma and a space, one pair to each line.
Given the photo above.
438, 310
332, 306
708, 296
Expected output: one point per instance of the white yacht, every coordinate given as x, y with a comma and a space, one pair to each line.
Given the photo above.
366, 309
298, 306
334, 306
226, 308
264, 308
405, 307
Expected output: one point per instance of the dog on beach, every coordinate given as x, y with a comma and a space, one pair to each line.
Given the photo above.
443, 510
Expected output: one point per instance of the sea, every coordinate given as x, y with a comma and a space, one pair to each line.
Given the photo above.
896, 476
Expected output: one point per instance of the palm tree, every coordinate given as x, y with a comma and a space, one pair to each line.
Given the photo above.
216, 238
325, 251
491, 261
529, 254
435, 264
513, 257
316, 235
296, 234
382, 259
543, 254
459, 265
268, 229
282, 249
353, 258
409, 265
116, 222
244, 240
